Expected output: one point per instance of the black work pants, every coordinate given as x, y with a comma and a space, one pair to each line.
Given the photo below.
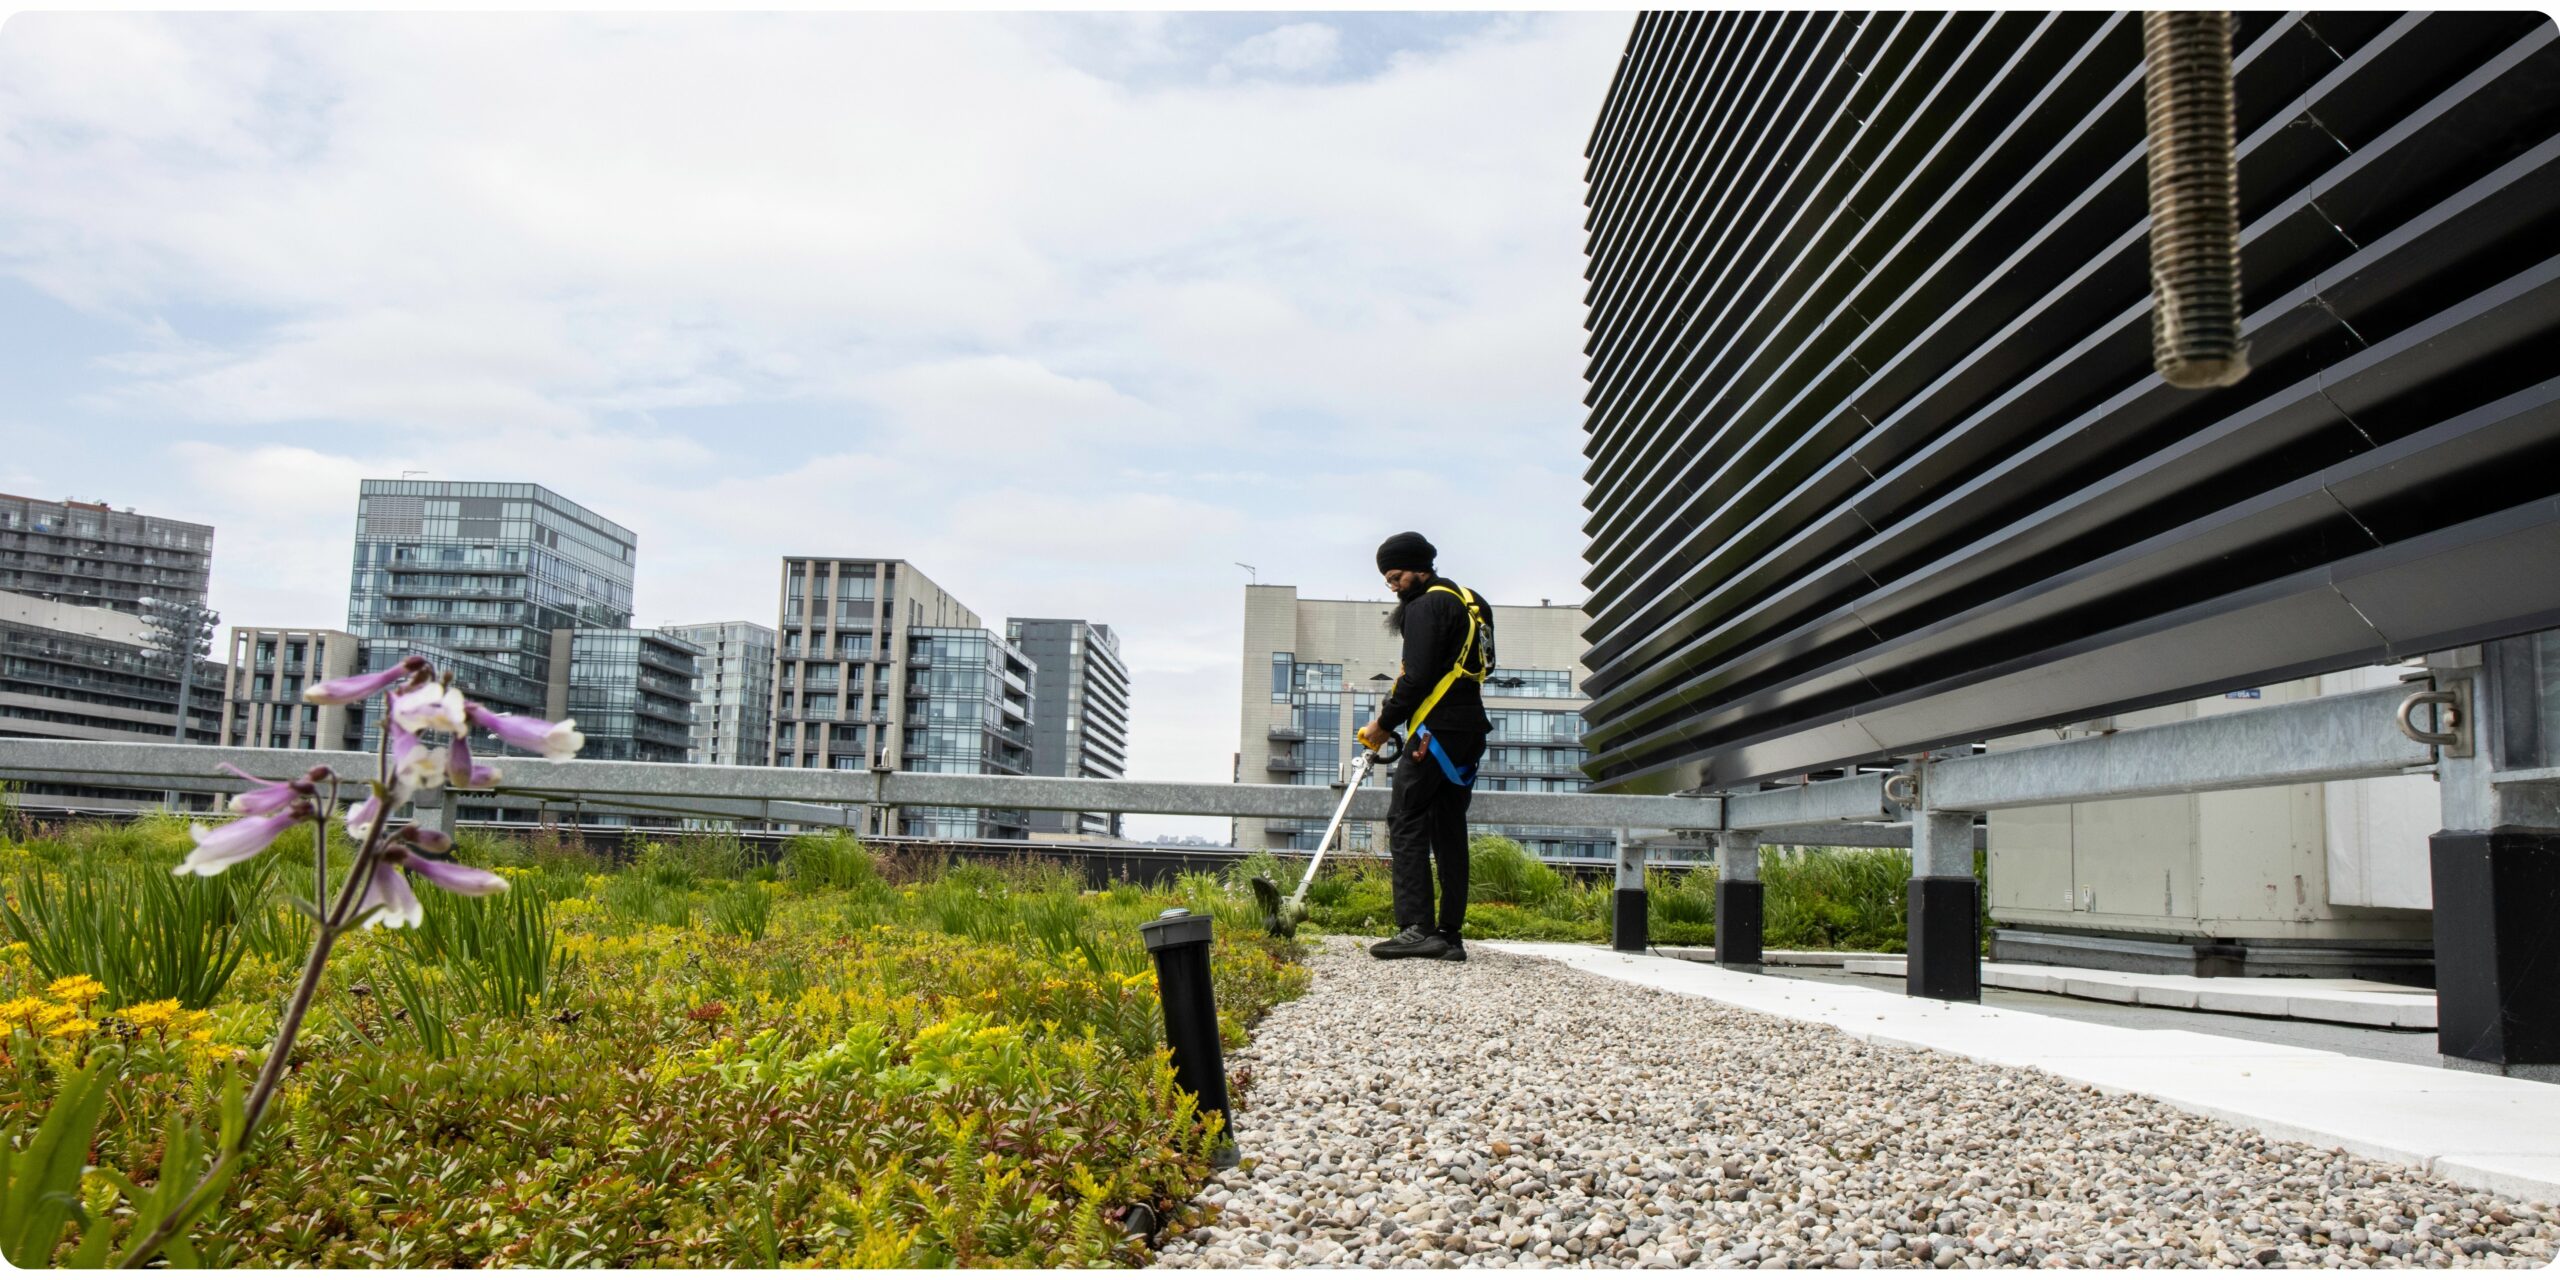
1427, 824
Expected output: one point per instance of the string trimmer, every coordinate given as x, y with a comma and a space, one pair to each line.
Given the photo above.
1283, 918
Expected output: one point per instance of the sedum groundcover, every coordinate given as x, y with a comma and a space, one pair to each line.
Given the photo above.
704, 1057
693, 1060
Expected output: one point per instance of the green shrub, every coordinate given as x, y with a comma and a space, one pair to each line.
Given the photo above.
821, 861
1500, 870
1834, 899
1283, 872
689, 858
634, 898
1199, 890
1681, 897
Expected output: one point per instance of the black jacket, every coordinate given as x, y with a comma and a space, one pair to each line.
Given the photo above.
1435, 627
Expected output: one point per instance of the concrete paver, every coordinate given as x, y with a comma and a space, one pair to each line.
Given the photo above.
2346, 1000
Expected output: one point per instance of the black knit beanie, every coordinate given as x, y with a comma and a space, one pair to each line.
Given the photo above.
1406, 551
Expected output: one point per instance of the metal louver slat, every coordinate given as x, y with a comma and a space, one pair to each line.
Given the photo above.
1878, 459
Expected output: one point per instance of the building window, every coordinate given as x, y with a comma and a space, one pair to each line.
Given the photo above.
1281, 665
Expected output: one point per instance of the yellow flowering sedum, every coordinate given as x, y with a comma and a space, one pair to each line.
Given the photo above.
79, 988
24, 1009
154, 1013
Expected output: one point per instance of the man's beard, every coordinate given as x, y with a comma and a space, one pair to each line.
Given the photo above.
1404, 601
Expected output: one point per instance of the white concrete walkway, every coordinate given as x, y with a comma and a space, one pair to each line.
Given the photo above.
2482, 1131
2347, 1000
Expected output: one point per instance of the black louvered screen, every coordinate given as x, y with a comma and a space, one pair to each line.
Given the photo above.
1878, 460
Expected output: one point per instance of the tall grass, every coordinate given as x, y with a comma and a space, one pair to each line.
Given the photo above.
1834, 899
1500, 870
820, 862
744, 910
141, 932
633, 899
503, 950
689, 859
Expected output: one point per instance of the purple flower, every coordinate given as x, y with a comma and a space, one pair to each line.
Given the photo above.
453, 877
555, 741
238, 840
360, 818
345, 689
390, 891
431, 705
415, 766
460, 770
267, 797
400, 906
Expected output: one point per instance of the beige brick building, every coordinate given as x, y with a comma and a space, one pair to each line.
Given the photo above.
262, 688
1315, 670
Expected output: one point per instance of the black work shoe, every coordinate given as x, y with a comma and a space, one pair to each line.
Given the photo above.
1415, 943
1457, 952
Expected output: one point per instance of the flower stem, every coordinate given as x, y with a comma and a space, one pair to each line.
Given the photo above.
271, 1073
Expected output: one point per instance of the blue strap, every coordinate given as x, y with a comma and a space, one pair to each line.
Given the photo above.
1449, 768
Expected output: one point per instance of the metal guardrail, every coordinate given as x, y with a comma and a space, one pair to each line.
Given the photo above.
2336, 738
2331, 739
747, 791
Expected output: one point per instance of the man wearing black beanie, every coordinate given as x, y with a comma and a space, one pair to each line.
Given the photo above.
1438, 704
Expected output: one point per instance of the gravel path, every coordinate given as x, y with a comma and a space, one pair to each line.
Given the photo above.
1514, 1112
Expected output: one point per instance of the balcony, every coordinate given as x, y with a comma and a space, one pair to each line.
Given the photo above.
1287, 733
1283, 764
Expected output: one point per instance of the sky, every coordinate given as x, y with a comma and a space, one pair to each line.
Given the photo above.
1079, 314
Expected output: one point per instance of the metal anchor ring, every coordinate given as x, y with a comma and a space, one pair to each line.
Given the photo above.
2448, 717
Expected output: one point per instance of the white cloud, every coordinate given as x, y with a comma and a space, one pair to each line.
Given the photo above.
1297, 49
1070, 342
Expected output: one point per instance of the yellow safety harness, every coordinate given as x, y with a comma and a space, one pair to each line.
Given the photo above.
1467, 598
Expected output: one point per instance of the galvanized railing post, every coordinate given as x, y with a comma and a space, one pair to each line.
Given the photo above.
2494, 868
1627, 922
1943, 959
1738, 899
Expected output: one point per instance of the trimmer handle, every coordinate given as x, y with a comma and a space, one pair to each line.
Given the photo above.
1388, 750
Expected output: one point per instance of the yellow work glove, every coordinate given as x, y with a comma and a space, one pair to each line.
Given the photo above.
1370, 736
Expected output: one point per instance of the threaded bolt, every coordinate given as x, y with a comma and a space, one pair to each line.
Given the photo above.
2195, 200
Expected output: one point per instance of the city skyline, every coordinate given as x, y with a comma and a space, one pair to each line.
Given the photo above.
737, 301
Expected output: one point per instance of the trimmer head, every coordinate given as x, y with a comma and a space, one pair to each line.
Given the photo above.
1275, 912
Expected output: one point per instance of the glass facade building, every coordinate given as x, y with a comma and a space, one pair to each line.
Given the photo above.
631, 692
91, 554
477, 576
847, 692
1080, 711
968, 710
734, 714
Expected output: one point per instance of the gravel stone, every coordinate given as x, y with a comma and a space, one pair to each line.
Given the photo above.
1513, 1112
